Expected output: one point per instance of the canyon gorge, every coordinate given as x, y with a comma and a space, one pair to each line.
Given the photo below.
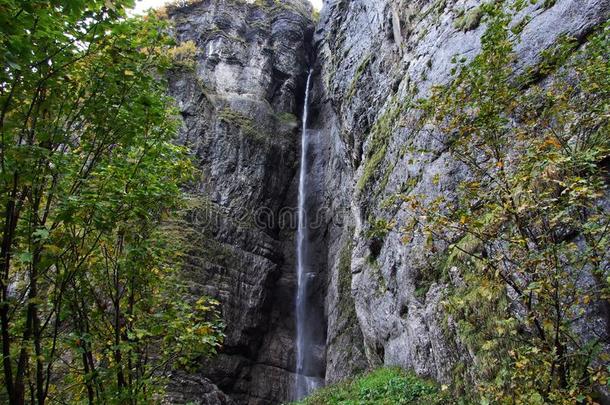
370, 302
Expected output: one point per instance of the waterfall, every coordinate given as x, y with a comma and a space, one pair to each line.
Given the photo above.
304, 383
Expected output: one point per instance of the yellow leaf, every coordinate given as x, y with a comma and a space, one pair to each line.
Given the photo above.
552, 141
128, 73
488, 345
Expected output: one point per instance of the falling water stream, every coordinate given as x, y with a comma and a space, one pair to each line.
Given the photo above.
304, 383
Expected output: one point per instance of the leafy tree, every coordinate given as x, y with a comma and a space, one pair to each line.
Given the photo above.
90, 307
528, 230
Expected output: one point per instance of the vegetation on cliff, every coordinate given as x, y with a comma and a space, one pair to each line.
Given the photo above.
526, 241
91, 308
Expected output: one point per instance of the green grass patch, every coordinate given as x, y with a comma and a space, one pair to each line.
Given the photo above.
386, 386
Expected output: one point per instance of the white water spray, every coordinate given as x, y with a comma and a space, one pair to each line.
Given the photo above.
304, 384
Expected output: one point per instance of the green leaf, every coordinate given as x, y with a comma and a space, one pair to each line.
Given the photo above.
40, 234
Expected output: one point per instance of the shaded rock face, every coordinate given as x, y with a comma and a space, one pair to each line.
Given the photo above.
195, 389
369, 53
240, 104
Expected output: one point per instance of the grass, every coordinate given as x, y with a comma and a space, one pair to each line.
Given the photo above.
385, 386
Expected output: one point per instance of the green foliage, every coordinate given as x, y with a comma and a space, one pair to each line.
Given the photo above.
384, 386
89, 304
246, 125
549, 3
528, 231
380, 228
184, 54
518, 28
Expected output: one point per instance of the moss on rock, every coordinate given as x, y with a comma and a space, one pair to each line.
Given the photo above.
470, 20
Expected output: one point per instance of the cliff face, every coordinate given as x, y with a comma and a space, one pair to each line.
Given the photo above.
240, 101
241, 104
369, 54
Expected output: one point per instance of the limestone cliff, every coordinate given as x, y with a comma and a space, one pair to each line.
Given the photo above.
370, 53
241, 103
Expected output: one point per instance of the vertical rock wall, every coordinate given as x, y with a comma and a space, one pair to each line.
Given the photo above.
241, 104
241, 101
370, 54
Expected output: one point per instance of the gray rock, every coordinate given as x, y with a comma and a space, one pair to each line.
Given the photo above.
363, 67
240, 105
195, 390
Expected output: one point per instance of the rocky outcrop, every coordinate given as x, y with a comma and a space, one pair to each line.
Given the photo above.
370, 54
197, 389
239, 91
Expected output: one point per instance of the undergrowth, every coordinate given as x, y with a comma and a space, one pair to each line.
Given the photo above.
386, 386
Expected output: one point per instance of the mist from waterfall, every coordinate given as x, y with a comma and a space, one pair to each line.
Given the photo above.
304, 383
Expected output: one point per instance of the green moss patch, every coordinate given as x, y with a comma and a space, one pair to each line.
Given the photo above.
246, 124
353, 87
380, 138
